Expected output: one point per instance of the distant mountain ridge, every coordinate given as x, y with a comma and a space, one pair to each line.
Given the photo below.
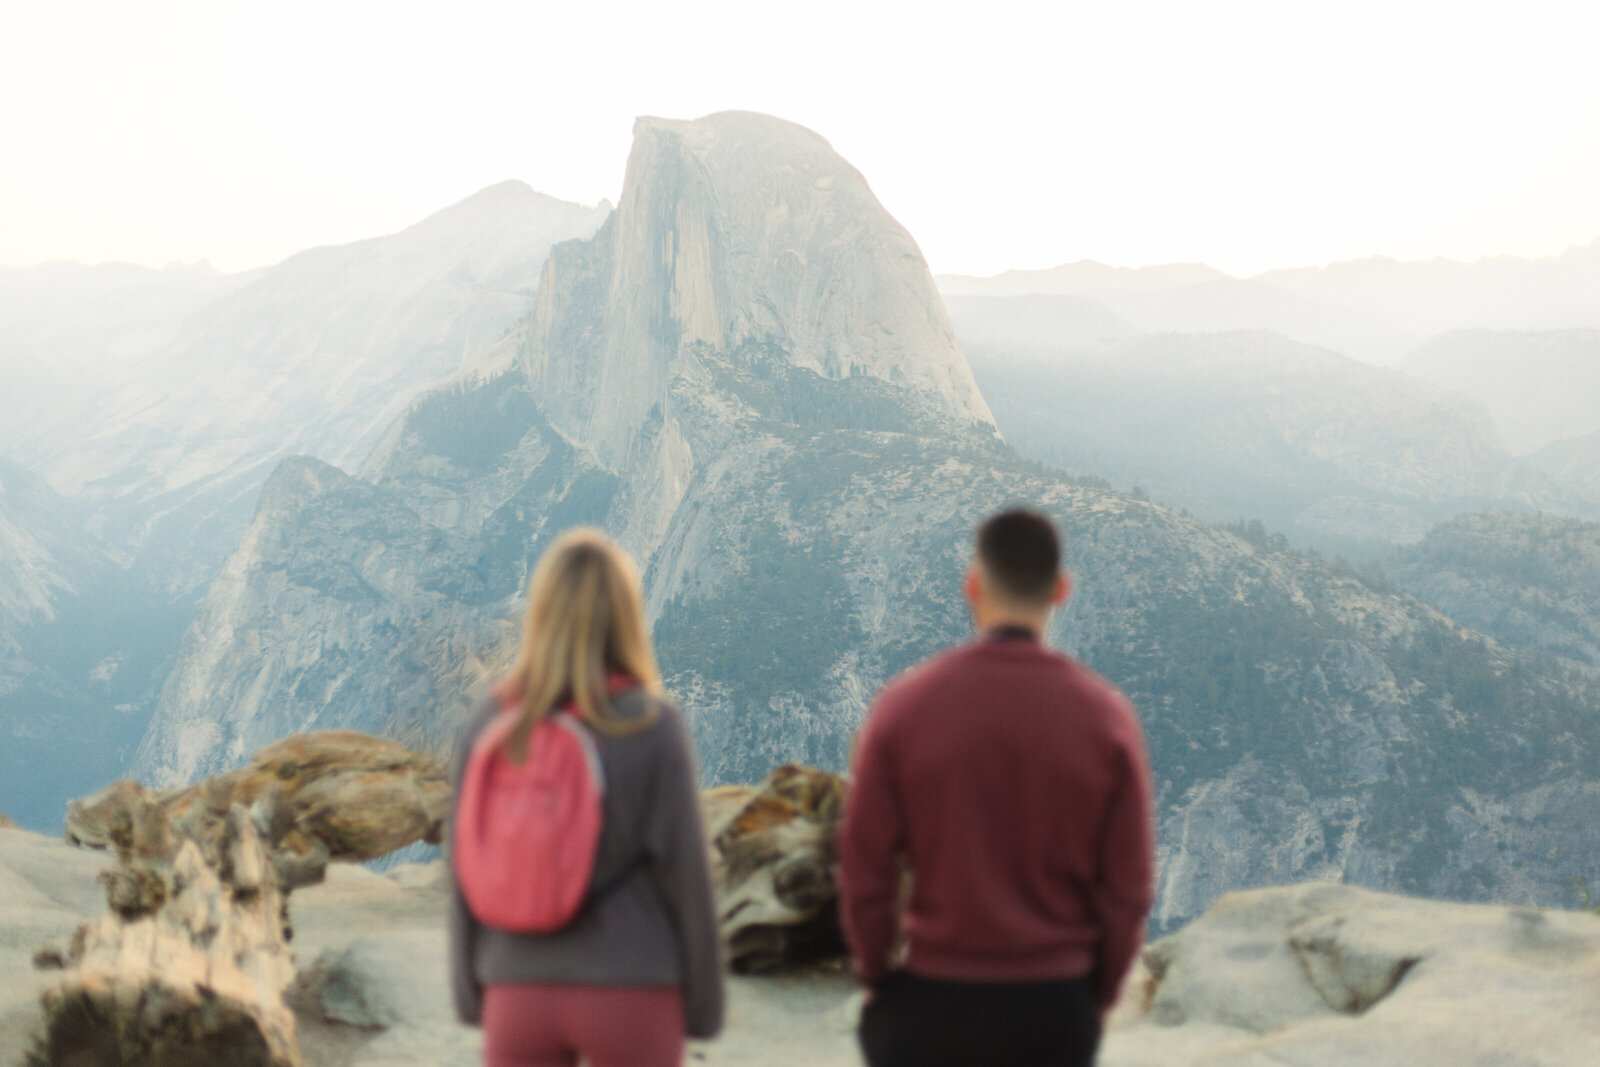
1540, 387
1084, 276
1039, 322
1145, 377
1249, 424
316, 355
1435, 296
68, 334
1375, 309
1185, 298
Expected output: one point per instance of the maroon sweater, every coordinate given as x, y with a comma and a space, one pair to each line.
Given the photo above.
1014, 782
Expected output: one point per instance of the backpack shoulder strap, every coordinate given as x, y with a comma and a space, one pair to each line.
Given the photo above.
630, 697
566, 720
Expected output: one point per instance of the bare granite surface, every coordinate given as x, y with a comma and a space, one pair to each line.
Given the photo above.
1316, 974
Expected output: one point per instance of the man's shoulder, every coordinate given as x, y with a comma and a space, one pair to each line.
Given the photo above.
1090, 681
1116, 721
1087, 686
928, 675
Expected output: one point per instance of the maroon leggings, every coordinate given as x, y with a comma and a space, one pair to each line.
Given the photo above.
539, 1025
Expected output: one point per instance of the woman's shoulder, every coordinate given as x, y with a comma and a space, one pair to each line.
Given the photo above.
657, 713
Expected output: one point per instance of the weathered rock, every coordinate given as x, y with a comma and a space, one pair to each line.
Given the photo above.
194, 976
191, 964
772, 850
1235, 966
330, 795
1326, 974
1350, 977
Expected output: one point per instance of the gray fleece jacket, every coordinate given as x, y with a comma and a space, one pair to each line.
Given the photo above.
655, 927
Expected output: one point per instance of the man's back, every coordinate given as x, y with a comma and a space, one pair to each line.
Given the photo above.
1013, 780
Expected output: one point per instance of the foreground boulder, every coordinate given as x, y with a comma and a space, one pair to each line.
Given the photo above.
193, 977
191, 963
772, 851
1327, 974
330, 795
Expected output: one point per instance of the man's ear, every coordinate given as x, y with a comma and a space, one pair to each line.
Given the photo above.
972, 584
1063, 590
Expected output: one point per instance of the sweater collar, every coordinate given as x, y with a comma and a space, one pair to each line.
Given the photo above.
1010, 633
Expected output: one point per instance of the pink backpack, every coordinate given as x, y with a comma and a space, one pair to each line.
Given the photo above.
526, 835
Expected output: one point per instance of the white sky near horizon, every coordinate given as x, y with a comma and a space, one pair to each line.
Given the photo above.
1003, 135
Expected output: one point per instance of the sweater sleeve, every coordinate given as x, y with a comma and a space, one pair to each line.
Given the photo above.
465, 989
463, 929
871, 837
1126, 886
676, 842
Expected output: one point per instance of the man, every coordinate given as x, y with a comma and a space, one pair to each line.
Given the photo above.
1011, 783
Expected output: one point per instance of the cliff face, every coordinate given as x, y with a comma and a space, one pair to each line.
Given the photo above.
794, 452
737, 233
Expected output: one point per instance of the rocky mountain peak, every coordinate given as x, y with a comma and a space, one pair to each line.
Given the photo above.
746, 235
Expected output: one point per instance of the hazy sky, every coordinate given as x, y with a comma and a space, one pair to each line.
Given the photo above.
1247, 135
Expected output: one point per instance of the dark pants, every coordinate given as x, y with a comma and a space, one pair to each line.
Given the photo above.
927, 1022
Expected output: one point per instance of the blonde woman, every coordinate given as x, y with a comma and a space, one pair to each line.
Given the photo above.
640, 967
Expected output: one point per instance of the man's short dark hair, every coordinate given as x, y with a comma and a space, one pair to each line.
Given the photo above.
1021, 554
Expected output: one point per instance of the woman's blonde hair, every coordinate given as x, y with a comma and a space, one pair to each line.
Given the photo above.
585, 622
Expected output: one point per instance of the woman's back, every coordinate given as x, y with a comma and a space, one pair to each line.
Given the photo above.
651, 864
